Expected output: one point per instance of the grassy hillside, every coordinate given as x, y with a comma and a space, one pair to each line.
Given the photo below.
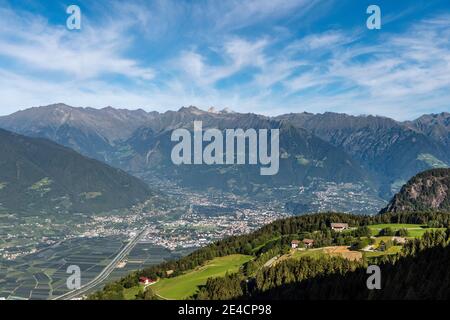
184, 286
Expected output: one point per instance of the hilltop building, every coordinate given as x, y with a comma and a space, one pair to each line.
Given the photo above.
339, 227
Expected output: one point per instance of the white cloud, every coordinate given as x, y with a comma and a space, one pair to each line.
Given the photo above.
91, 53
236, 53
409, 65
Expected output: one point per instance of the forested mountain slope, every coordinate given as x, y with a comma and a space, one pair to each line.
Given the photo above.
38, 175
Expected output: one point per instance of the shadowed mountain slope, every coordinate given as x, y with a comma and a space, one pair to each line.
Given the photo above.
38, 175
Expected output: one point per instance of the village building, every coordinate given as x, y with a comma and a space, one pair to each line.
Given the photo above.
169, 272
338, 227
308, 243
294, 244
122, 264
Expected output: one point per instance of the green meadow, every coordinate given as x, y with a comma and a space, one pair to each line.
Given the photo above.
414, 230
186, 285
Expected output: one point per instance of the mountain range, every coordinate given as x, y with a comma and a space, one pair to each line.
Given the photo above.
40, 176
390, 151
379, 152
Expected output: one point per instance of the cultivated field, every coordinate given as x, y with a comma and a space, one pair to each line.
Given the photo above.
42, 275
344, 252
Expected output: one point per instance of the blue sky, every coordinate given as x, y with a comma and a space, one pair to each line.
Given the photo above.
262, 56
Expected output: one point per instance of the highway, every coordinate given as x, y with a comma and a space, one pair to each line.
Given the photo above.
105, 272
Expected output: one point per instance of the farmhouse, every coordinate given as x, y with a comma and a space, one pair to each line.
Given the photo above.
145, 280
294, 244
338, 227
308, 243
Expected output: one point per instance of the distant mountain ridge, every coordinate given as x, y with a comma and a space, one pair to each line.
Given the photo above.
377, 151
93, 132
148, 146
427, 191
40, 176
391, 151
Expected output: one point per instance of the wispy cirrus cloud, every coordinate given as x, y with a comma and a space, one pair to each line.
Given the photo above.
37, 45
400, 75
236, 54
